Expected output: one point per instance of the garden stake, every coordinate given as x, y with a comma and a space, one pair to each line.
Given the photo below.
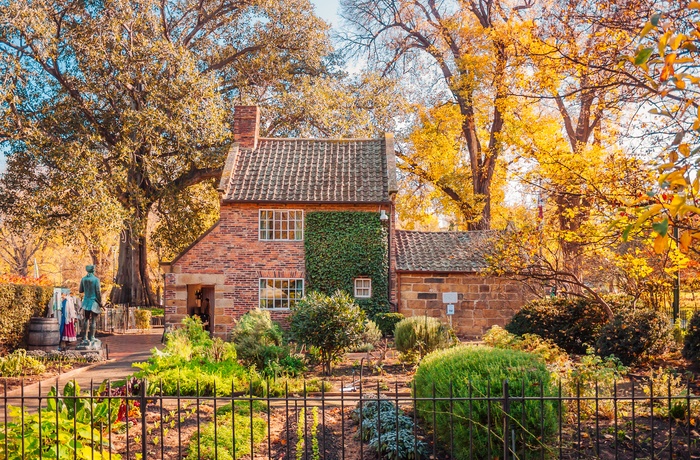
92, 416
396, 395
342, 419
269, 441
362, 443
306, 436
58, 445
471, 425
162, 433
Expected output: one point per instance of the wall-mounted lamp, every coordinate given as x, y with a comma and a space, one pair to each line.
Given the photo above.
383, 216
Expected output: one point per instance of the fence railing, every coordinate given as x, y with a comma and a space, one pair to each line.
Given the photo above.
136, 420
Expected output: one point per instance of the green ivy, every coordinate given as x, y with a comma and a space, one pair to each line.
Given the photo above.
344, 245
18, 303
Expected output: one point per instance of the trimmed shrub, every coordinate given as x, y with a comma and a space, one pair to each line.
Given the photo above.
143, 319
477, 372
18, 303
634, 335
419, 335
691, 343
498, 337
571, 323
386, 322
332, 324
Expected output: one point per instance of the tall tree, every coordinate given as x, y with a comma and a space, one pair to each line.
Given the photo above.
130, 100
470, 45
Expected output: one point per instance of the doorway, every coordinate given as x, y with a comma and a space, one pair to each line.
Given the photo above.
200, 302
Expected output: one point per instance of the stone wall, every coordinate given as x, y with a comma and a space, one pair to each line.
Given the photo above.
232, 259
483, 301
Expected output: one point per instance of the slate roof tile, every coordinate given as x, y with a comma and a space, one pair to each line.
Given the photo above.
442, 251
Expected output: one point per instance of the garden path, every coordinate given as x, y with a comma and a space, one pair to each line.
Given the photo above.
124, 350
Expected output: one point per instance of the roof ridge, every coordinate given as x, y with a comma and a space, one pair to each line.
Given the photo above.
318, 139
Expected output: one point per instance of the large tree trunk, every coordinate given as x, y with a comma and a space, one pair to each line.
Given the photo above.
132, 284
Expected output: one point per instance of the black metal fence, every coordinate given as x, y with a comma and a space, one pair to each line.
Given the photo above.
136, 421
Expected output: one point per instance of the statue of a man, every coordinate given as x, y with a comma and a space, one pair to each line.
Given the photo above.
92, 302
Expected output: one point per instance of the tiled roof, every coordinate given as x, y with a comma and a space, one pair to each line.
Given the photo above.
311, 170
442, 251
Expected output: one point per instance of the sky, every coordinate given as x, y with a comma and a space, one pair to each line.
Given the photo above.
328, 10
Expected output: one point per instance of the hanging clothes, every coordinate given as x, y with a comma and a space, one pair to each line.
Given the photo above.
68, 319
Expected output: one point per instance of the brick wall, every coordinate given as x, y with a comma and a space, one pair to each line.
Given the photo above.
231, 258
483, 301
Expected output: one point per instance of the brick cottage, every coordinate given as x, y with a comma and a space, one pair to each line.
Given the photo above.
254, 256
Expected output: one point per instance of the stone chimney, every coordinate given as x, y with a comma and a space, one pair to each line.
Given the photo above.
246, 125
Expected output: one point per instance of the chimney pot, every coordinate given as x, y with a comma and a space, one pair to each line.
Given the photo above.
246, 125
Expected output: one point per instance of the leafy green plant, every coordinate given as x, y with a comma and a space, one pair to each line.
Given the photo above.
476, 372
386, 322
18, 363
215, 442
572, 323
333, 324
301, 423
359, 244
419, 335
691, 342
388, 430
66, 429
634, 336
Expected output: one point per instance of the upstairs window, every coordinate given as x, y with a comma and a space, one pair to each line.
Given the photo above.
280, 293
363, 288
281, 225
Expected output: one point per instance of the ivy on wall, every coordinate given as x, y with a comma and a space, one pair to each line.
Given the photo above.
18, 303
343, 245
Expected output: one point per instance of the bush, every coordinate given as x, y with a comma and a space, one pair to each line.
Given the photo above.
386, 322
419, 335
634, 335
143, 319
333, 324
477, 372
18, 303
498, 337
258, 340
371, 336
691, 343
388, 430
573, 324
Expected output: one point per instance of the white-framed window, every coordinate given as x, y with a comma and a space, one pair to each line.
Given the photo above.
363, 288
281, 225
280, 293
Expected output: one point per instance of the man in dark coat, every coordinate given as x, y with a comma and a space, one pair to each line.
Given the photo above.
92, 302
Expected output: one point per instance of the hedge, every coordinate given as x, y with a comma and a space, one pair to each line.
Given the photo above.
18, 303
447, 379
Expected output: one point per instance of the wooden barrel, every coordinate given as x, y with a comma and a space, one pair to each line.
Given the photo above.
43, 334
